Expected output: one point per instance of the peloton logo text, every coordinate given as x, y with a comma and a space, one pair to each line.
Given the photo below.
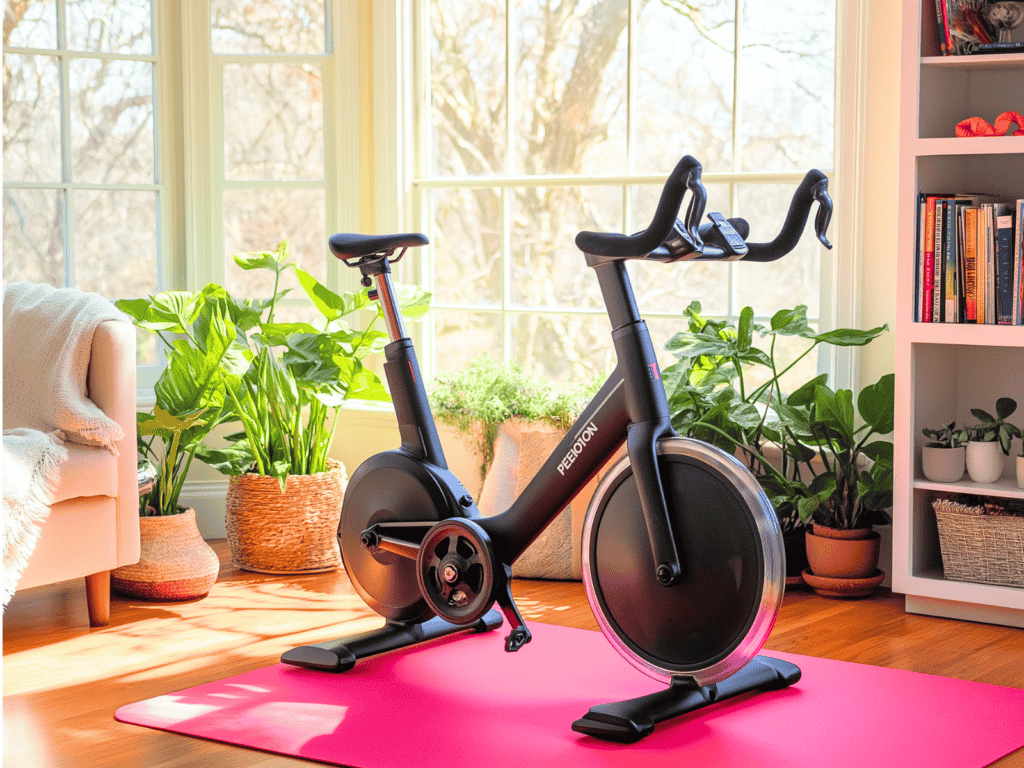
577, 447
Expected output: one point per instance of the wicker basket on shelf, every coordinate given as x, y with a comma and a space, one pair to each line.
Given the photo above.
981, 542
291, 532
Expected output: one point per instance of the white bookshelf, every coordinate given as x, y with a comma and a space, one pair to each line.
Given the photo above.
943, 369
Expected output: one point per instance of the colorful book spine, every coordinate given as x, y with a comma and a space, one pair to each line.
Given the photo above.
939, 261
950, 288
1003, 257
971, 264
927, 300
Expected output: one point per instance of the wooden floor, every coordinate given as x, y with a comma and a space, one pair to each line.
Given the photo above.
63, 681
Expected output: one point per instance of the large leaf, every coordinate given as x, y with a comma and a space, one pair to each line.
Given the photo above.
876, 404
330, 304
413, 300
1005, 406
236, 459
834, 410
790, 322
850, 337
171, 311
275, 261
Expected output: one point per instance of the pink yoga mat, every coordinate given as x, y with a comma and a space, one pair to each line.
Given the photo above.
464, 703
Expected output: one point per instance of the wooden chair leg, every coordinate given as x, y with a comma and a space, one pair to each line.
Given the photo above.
97, 595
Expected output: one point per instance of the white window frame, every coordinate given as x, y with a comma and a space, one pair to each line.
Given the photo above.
394, 25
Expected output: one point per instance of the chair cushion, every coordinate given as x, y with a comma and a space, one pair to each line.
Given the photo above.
88, 471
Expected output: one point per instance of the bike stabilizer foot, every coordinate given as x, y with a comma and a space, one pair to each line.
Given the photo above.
629, 721
341, 655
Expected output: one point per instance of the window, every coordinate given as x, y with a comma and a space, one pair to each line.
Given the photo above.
544, 117
83, 187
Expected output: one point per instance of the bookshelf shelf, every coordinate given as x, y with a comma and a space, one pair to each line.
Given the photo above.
943, 370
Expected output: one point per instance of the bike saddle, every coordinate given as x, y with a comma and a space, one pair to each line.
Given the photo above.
349, 246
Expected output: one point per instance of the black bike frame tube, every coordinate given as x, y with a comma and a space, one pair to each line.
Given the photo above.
415, 421
590, 442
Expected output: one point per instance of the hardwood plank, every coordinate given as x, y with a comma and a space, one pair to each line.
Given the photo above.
62, 679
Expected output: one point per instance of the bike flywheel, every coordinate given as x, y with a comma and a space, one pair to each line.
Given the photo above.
730, 545
387, 487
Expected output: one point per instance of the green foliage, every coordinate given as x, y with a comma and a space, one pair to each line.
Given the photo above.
947, 436
991, 429
228, 361
198, 332
823, 451
490, 392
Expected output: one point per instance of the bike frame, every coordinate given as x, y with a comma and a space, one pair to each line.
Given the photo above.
631, 407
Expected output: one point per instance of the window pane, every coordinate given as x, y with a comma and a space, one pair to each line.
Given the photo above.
684, 85
669, 288
467, 87
257, 220
466, 246
112, 26
788, 85
115, 239
267, 26
34, 236
461, 336
792, 280
548, 270
112, 121
565, 348
31, 118
570, 86
273, 122
30, 24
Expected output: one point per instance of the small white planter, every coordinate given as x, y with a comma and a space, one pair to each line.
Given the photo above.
984, 461
1020, 471
943, 465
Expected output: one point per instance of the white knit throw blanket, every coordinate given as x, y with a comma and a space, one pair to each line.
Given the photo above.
32, 462
47, 336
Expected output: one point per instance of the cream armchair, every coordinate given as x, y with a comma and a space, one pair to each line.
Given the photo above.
93, 524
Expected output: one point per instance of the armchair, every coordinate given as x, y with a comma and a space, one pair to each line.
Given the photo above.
93, 525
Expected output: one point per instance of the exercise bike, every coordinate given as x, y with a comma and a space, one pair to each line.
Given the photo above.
683, 561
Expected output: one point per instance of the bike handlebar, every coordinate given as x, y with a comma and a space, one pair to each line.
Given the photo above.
669, 239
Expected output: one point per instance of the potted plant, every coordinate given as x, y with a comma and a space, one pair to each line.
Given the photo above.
284, 493
989, 438
711, 398
853, 490
942, 459
197, 334
514, 420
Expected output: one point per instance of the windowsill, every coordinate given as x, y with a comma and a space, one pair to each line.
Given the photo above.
145, 399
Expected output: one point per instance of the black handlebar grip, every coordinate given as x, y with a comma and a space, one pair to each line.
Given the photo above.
685, 176
814, 187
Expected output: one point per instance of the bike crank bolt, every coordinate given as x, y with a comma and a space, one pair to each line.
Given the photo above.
451, 574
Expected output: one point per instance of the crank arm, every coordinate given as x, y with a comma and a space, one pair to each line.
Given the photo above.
398, 538
520, 635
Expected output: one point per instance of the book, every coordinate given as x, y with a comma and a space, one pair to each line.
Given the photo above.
928, 278
937, 276
971, 264
990, 266
961, 28
950, 284
1002, 247
919, 292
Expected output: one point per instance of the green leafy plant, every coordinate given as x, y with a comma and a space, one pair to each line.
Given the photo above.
947, 436
198, 333
991, 429
288, 397
489, 392
712, 397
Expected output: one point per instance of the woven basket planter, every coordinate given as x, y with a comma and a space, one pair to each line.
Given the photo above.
980, 547
291, 532
175, 562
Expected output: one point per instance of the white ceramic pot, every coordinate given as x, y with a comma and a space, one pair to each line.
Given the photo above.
943, 465
984, 461
1020, 471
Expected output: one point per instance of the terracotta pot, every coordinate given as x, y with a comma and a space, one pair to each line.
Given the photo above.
291, 532
943, 465
175, 563
984, 461
843, 554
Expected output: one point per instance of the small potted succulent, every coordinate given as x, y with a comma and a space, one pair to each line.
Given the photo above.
988, 438
943, 457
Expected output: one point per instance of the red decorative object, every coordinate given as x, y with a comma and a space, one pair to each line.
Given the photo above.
975, 126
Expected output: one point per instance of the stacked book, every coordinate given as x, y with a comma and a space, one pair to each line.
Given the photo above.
970, 260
